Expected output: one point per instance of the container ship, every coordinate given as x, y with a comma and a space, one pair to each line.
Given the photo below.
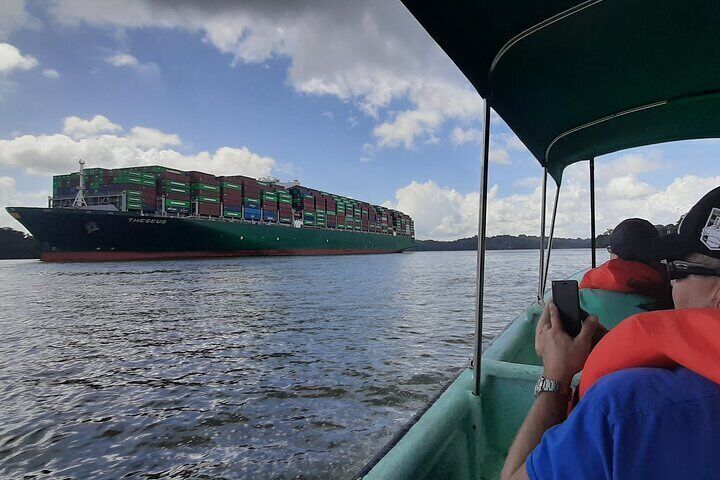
155, 212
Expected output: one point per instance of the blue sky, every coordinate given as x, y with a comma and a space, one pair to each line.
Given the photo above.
349, 97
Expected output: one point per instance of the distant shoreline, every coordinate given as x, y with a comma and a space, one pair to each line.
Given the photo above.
505, 242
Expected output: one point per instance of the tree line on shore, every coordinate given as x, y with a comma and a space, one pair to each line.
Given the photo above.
15, 244
522, 242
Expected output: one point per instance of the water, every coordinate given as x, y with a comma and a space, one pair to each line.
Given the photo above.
296, 367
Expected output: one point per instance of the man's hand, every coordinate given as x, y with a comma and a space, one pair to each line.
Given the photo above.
563, 356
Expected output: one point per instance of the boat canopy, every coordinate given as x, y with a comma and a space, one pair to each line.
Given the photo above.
575, 80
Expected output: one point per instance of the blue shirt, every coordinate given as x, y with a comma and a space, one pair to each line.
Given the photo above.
637, 423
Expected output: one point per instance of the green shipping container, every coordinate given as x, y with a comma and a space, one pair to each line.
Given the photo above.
175, 184
231, 186
205, 187
176, 204
202, 199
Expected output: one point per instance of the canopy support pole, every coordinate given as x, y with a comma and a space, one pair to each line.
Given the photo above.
550, 239
482, 232
593, 241
543, 206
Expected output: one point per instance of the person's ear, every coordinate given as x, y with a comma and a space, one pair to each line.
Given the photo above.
716, 294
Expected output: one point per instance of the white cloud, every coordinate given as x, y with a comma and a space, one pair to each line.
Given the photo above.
51, 73
391, 57
460, 136
329, 115
527, 182
439, 213
14, 17
443, 213
499, 155
54, 153
629, 164
121, 60
9, 196
77, 127
11, 59
628, 187
500, 144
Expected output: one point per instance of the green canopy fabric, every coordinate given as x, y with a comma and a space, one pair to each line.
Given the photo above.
576, 80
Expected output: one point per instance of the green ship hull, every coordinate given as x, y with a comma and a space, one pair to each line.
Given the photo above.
91, 235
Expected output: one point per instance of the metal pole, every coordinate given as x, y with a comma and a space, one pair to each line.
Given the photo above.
482, 231
543, 206
550, 240
592, 213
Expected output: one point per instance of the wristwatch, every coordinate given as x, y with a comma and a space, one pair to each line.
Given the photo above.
546, 385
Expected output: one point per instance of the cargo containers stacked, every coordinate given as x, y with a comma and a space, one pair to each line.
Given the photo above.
204, 194
231, 196
251, 198
172, 189
152, 189
65, 187
330, 210
303, 202
320, 208
268, 202
137, 187
285, 212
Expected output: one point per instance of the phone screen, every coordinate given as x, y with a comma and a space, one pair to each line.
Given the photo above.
566, 299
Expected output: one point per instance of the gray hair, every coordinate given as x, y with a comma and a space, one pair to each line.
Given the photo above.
704, 260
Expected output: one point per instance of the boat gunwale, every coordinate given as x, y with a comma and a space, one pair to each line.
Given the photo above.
390, 444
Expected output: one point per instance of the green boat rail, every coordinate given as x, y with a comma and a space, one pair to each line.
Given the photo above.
459, 435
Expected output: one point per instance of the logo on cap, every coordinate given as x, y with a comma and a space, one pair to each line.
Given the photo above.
710, 234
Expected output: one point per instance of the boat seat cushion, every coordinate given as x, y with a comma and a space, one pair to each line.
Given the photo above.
613, 307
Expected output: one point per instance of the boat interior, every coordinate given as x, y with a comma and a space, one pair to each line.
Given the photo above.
574, 80
463, 435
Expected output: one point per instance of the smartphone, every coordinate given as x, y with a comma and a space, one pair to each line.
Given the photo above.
567, 300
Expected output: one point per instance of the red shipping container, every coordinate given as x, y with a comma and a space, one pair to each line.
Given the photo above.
209, 209
201, 177
176, 177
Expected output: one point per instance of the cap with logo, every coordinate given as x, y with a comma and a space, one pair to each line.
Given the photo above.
699, 232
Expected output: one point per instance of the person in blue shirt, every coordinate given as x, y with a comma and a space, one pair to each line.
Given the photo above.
646, 421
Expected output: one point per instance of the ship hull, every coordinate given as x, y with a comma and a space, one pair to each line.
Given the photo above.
75, 235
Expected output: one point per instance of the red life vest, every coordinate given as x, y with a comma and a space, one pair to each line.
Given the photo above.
663, 339
618, 275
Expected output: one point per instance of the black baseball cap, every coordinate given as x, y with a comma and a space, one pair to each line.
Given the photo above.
630, 234
699, 232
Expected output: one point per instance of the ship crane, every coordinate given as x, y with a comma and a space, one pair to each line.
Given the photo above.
79, 201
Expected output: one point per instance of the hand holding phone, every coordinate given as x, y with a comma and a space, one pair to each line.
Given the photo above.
567, 300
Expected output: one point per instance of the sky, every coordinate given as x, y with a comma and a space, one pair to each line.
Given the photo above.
347, 96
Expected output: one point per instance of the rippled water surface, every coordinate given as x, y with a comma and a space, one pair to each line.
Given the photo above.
294, 367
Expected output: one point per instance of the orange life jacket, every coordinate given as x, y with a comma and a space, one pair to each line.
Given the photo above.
663, 339
618, 275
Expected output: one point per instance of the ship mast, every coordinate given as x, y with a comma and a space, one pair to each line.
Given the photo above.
80, 197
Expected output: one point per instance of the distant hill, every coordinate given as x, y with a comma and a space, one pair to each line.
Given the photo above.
523, 242
505, 242
15, 244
